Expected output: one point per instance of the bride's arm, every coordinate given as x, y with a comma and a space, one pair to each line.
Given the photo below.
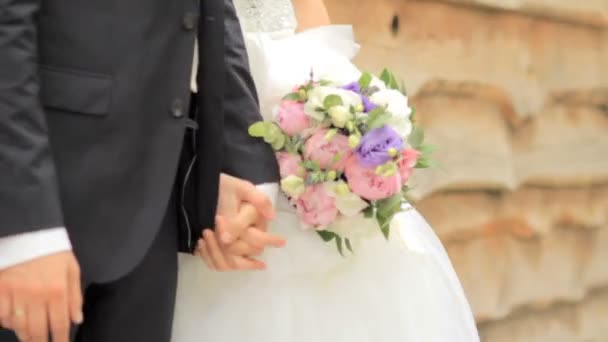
310, 14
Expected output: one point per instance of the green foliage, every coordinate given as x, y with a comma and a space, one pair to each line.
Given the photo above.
424, 163
389, 79
402, 89
349, 246
332, 101
326, 235
279, 142
292, 96
341, 242
365, 80
258, 129
386, 210
427, 149
377, 118
370, 211
416, 138
413, 114
311, 165
270, 132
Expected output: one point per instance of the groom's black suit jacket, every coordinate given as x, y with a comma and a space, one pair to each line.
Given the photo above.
94, 97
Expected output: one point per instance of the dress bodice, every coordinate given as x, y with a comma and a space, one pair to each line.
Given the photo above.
266, 15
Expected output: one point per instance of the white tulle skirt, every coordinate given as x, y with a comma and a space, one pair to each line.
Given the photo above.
401, 290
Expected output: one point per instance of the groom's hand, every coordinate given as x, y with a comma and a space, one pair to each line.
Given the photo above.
233, 193
239, 254
41, 297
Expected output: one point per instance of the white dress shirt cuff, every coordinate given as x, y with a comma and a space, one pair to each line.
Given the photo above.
16, 249
271, 190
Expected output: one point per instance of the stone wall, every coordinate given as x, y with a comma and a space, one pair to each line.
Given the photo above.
515, 94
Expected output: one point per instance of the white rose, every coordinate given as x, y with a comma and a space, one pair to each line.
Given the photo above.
317, 96
402, 125
347, 202
340, 115
377, 83
293, 186
395, 102
315, 100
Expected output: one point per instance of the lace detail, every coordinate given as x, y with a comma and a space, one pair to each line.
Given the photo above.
266, 15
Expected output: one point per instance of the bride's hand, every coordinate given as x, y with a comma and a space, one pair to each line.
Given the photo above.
239, 254
234, 193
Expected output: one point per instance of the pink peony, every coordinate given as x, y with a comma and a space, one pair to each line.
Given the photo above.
316, 208
289, 165
409, 157
364, 181
291, 117
324, 151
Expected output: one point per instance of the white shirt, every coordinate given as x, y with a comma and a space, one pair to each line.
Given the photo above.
20, 248
193, 86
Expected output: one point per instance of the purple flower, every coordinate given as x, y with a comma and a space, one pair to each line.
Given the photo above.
354, 86
375, 145
368, 106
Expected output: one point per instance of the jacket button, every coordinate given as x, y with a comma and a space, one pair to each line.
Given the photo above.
177, 109
189, 21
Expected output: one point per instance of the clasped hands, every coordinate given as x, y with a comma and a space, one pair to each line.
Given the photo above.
240, 234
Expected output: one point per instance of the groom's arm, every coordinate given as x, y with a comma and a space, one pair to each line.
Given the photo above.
30, 214
245, 157
39, 294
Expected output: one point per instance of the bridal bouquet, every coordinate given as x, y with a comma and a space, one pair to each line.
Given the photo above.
345, 149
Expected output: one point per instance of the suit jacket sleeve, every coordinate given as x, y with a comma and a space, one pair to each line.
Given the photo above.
245, 157
29, 196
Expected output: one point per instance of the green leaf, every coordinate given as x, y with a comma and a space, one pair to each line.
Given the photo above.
393, 84
292, 97
386, 230
413, 114
427, 149
403, 89
332, 101
279, 142
389, 79
339, 245
271, 133
416, 138
365, 80
385, 76
311, 165
369, 212
321, 176
379, 121
258, 129
291, 144
375, 113
385, 224
424, 163
326, 235
390, 206
313, 177
377, 118
348, 245
269, 139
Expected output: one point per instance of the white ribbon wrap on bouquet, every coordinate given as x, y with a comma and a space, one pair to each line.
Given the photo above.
280, 60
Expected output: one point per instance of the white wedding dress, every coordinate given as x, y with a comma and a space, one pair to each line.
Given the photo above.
402, 290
